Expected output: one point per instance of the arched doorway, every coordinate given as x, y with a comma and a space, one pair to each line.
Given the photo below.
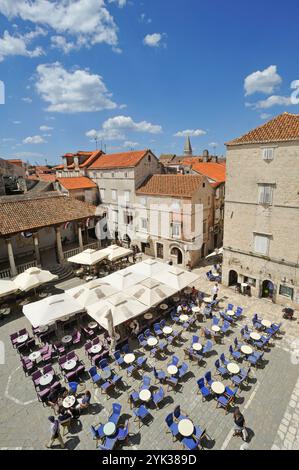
179, 255
203, 250
267, 289
232, 278
127, 240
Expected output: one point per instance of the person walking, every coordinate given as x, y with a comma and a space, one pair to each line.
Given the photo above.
239, 421
215, 291
55, 433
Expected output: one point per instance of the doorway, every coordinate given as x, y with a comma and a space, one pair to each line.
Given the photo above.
179, 255
232, 278
267, 289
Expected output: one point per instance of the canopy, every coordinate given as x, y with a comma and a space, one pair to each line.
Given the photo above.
124, 278
33, 278
123, 308
92, 292
7, 287
150, 292
115, 252
176, 278
215, 253
51, 309
148, 267
88, 257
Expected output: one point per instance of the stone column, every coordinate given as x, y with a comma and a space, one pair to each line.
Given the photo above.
11, 258
80, 237
36, 248
59, 245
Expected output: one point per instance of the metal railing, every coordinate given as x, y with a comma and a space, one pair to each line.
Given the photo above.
6, 273
69, 253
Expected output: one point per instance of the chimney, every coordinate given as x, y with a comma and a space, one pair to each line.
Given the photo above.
64, 159
76, 163
205, 156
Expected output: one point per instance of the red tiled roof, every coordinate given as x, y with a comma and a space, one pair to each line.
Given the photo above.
212, 170
27, 213
80, 182
118, 160
171, 185
282, 128
43, 177
16, 162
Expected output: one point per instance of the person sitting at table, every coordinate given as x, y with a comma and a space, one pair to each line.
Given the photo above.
193, 293
135, 328
179, 309
64, 417
83, 403
56, 397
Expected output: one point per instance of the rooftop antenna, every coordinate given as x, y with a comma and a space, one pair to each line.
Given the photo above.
96, 141
105, 146
101, 145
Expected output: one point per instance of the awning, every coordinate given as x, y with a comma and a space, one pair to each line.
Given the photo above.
176, 278
150, 292
217, 252
33, 278
7, 287
89, 257
141, 237
92, 292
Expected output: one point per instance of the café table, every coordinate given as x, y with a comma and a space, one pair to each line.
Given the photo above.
230, 313
109, 429
246, 350
183, 318
172, 369
152, 341
218, 388
22, 339
197, 346
195, 309
66, 339
69, 401
69, 365
96, 348
255, 336
46, 379
145, 395
129, 358
34, 356
148, 316
215, 328
92, 325
167, 330
233, 368
266, 323
163, 306
186, 427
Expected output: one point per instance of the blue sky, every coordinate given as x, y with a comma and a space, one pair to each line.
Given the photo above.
139, 74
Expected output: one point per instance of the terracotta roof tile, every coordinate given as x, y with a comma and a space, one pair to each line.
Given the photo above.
282, 128
80, 182
43, 177
21, 214
171, 185
212, 170
16, 162
118, 160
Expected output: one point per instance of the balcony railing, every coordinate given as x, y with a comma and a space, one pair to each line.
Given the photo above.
6, 273
75, 251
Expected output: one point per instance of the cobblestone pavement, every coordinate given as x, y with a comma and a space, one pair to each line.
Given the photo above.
270, 402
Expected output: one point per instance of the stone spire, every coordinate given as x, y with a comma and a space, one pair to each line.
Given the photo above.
187, 147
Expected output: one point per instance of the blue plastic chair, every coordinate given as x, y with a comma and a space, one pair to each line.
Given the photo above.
182, 370
158, 396
174, 361
133, 398
208, 377
146, 382
116, 410
118, 358
95, 377
142, 341
221, 370
177, 413
172, 426
159, 375
205, 392
123, 432
157, 329
190, 443
223, 402
141, 414
225, 327
73, 387
207, 348
224, 360
141, 361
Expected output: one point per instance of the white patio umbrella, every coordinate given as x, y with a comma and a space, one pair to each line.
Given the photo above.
217, 252
124, 278
88, 257
148, 267
150, 292
116, 252
7, 287
176, 278
51, 309
123, 308
92, 292
33, 278
110, 329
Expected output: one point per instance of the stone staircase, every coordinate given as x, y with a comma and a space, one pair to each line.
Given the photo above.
63, 271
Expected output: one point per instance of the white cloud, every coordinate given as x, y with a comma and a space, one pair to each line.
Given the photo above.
265, 81
59, 42
26, 99
265, 116
190, 133
28, 155
154, 40
34, 140
145, 19
121, 3
274, 100
17, 45
129, 144
213, 144
16, 122
72, 92
116, 128
88, 21
45, 128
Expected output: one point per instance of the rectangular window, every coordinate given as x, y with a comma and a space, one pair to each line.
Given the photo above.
143, 223
127, 195
112, 175
286, 291
160, 250
128, 218
268, 154
261, 244
115, 216
176, 230
204, 226
265, 194
102, 193
114, 194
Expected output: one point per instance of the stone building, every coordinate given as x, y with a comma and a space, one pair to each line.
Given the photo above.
261, 243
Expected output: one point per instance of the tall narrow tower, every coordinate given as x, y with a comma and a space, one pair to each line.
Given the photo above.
187, 147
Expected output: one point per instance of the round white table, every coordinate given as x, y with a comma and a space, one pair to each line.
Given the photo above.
69, 365
43, 329
34, 356
266, 323
148, 316
246, 349
172, 370
195, 309
96, 348
218, 388
21, 339
188, 290
176, 298
163, 306
109, 429
46, 379
129, 358
186, 427
152, 341
66, 339
233, 368
255, 336
5, 311
69, 401
145, 395
207, 300
215, 328
93, 325
167, 330
230, 313
197, 346
183, 317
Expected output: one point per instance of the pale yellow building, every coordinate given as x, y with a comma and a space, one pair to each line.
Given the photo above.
261, 225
